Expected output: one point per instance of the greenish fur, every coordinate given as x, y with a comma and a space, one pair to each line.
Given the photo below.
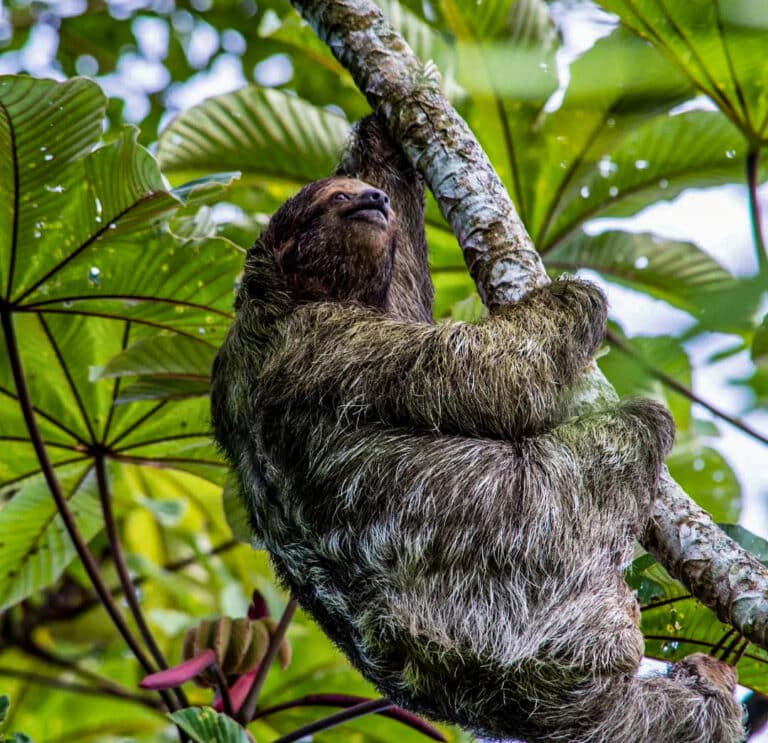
423, 491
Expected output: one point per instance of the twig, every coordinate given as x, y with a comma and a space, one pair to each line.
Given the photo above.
75, 688
118, 556
223, 687
351, 713
248, 708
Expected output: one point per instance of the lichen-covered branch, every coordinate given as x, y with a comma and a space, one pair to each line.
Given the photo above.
505, 266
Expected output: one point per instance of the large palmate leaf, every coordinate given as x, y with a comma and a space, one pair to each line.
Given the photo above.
88, 268
263, 133
604, 150
678, 272
720, 46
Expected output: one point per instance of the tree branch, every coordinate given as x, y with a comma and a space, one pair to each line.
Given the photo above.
505, 266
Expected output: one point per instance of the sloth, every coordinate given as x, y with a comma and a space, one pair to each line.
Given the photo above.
423, 490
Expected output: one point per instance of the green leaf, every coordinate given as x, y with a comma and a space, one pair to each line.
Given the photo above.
609, 148
205, 725
35, 544
678, 272
760, 345
635, 367
5, 704
173, 356
719, 46
236, 512
706, 475
676, 625
262, 133
749, 541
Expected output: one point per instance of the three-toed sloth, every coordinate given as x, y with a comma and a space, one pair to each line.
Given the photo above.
422, 489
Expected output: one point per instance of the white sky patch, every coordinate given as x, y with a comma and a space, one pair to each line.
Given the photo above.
203, 44
274, 70
226, 75
152, 36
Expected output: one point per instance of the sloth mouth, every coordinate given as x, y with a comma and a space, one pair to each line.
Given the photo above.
367, 213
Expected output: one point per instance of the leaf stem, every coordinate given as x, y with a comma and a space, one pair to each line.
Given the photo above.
89, 563
339, 718
126, 583
223, 686
248, 708
753, 176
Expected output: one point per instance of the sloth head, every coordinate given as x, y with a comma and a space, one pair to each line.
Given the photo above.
334, 241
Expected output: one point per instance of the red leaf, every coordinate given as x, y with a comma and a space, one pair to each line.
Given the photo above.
258, 608
238, 691
179, 674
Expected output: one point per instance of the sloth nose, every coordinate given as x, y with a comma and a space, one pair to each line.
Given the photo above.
376, 199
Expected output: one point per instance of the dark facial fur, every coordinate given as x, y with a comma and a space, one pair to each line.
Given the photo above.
335, 241
424, 492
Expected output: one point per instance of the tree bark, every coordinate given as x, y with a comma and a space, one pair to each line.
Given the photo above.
505, 266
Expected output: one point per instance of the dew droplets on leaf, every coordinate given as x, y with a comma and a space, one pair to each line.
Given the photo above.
58, 188
718, 475
67, 303
606, 166
641, 262
730, 154
48, 157
663, 183
94, 275
584, 192
613, 191
201, 331
642, 164
698, 464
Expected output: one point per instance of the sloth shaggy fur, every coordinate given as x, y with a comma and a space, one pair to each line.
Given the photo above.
422, 489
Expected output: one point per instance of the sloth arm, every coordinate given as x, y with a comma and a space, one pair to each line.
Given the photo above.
500, 377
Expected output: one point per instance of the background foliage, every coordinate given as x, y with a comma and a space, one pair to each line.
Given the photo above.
118, 265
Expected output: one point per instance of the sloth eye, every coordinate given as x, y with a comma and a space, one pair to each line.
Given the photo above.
340, 196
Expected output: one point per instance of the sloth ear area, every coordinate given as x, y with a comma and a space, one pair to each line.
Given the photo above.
287, 255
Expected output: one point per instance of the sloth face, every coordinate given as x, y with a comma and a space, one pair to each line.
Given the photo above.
335, 241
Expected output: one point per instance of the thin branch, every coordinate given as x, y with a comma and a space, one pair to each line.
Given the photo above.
28, 646
223, 687
73, 687
89, 563
681, 389
753, 176
351, 713
118, 557
505, 267
248, 708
